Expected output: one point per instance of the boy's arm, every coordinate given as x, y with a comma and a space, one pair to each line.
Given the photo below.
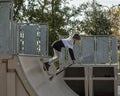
72, 55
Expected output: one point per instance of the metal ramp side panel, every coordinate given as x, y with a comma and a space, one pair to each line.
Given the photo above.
87, 50
5, 32
38, 78
102, 50
30, 39
114, 50
43, 39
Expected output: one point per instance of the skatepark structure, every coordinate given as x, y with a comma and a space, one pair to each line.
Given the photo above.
32, 80
22, 45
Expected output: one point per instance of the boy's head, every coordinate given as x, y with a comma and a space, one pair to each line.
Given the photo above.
76, 38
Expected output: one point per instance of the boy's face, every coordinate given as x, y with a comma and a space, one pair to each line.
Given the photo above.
76, 41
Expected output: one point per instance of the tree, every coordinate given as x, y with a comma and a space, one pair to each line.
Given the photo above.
18, 6
95, 21
115, 17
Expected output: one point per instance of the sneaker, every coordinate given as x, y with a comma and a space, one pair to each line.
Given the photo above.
46, 66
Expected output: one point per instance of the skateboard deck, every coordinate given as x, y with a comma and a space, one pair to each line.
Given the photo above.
60, 70
52, 71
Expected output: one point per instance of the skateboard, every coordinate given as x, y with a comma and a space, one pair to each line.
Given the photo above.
60, 70
52, 75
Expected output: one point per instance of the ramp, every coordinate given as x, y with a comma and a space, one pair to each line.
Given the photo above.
38, 80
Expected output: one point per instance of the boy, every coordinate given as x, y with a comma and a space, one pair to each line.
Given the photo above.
63, 43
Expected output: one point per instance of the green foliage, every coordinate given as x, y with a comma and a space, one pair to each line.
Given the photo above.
18, 4
96, 21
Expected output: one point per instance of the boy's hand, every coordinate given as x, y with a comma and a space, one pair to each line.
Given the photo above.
73, 62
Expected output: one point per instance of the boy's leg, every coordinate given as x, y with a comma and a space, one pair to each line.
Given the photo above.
51, 60
46, 66
55, 57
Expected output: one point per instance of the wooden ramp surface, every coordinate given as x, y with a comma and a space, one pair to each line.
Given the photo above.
38, 79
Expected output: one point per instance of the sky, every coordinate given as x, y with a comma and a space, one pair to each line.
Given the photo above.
108, 3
